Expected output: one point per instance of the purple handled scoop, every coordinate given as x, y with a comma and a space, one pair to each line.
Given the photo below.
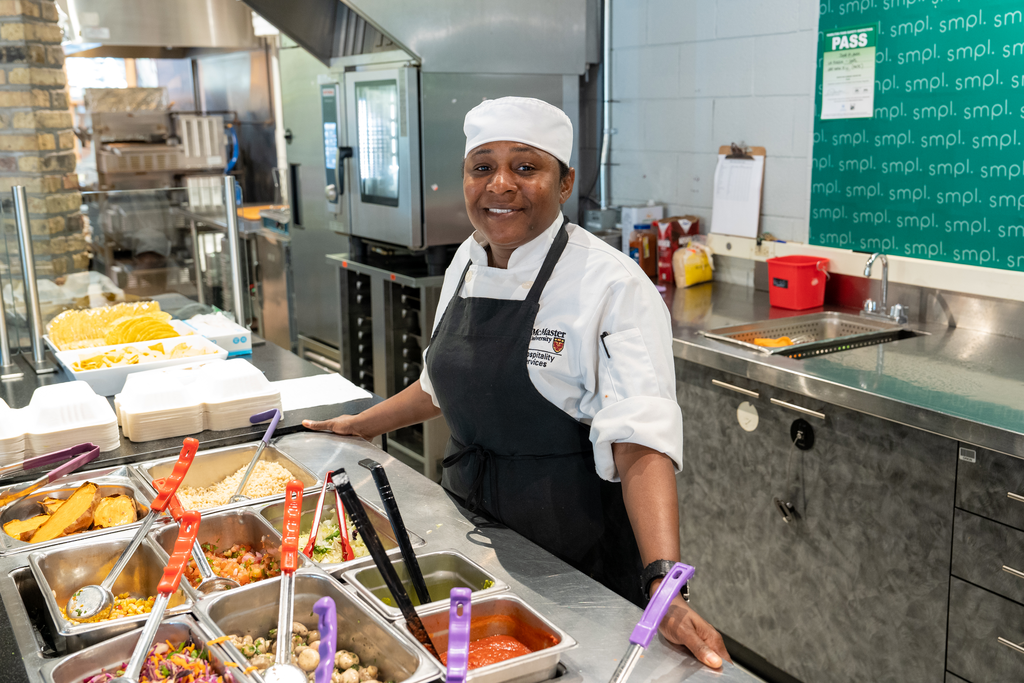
274, 416
459, 618
645, 629
327, 612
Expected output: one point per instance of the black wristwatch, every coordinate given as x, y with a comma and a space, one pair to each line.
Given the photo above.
659, 569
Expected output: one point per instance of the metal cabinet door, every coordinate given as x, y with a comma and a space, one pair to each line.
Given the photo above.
855, 586
313, 232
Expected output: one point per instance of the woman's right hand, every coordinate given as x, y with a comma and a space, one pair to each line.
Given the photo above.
345, 425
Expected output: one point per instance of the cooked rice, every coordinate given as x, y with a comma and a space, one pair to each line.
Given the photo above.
267, 479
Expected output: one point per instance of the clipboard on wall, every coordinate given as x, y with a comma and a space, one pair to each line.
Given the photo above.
739, 183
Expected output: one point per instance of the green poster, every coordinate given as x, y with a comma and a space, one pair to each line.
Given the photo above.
848, 73
937, 172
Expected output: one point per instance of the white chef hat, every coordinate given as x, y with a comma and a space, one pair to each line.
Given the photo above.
520, 119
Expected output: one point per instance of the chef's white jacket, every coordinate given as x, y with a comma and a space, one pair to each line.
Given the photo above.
627, 393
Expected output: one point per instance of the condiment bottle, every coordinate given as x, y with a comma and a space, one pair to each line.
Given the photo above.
643, 248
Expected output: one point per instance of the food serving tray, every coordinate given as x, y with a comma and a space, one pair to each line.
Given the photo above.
109, 381
212, 466
252, 610
112, 653
223, 529
442, 571
274, 514
111, 481
502, 614
61, 570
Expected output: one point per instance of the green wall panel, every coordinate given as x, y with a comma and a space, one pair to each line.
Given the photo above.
938, 172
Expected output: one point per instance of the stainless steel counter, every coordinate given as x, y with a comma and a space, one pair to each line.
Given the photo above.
597, 618
959, 383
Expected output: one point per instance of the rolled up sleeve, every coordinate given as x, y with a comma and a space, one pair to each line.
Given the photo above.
634, 398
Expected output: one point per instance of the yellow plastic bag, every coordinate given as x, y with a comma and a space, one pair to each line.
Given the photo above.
692, 265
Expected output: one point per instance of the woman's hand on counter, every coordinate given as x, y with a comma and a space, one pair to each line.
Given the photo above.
345, 425
410, 406
685, 627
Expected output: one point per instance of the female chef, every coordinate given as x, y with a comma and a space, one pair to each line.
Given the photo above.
551, 362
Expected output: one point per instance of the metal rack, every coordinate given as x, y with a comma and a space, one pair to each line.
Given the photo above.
385, 323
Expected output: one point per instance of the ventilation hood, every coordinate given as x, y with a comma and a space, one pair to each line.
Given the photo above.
155, 28
445, 36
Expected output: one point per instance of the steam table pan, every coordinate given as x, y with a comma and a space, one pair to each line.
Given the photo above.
252, 611
442, 571
502, 614
108, 655
213, 466
111, 481
223, 529
274, 514
61, 570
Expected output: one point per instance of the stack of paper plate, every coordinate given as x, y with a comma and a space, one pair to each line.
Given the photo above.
58, 416
159, 404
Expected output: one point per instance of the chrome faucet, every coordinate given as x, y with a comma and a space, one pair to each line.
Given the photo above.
872, 308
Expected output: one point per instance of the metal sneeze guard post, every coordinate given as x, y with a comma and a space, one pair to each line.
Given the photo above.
37, 360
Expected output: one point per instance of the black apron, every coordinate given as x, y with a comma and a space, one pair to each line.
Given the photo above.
515, 456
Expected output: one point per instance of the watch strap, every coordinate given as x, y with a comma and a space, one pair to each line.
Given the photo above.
655, 570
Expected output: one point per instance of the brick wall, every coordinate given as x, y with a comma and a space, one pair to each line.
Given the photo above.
690, 75
36, 140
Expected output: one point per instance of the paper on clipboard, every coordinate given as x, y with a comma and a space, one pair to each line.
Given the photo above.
736, 207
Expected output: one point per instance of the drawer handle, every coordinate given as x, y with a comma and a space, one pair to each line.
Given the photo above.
1012, 646
1016, 572
805, 411
733, 387
1014, 496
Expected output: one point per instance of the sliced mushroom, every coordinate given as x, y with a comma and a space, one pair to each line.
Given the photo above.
262, 662
299, 629
312, 635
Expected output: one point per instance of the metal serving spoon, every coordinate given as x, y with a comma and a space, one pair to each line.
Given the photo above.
274, 416
283, 671
187, 530
92, 601
210, 583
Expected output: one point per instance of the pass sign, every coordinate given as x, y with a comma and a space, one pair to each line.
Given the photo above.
848, 73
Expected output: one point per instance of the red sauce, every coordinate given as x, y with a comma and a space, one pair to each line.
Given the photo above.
492, 650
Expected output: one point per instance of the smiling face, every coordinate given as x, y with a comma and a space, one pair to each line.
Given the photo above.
513, 193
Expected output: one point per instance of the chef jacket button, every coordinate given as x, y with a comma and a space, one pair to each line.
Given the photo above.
527, 285
469, 276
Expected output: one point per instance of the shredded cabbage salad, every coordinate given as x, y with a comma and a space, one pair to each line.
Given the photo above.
183, 663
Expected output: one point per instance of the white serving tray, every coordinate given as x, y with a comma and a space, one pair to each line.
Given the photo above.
109, 381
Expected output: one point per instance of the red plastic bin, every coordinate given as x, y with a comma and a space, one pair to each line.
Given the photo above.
797, 282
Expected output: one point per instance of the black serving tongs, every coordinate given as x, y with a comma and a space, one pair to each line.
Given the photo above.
348, 496
380, 478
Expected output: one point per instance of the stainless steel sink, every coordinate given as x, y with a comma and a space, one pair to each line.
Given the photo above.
816, 334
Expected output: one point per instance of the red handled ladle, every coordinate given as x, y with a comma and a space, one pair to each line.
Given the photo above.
92, 601
346, 547
188, 527
209, 581
283, 671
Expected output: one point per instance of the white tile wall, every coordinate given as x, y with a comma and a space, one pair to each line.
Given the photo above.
690, 75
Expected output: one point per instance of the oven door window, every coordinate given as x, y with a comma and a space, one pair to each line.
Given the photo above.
377, 125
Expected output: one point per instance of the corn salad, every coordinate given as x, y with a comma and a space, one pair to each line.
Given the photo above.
124, 606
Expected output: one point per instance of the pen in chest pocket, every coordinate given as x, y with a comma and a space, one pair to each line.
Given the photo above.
605, 344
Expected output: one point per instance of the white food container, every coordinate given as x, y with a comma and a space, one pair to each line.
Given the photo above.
224, 332
109, 381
